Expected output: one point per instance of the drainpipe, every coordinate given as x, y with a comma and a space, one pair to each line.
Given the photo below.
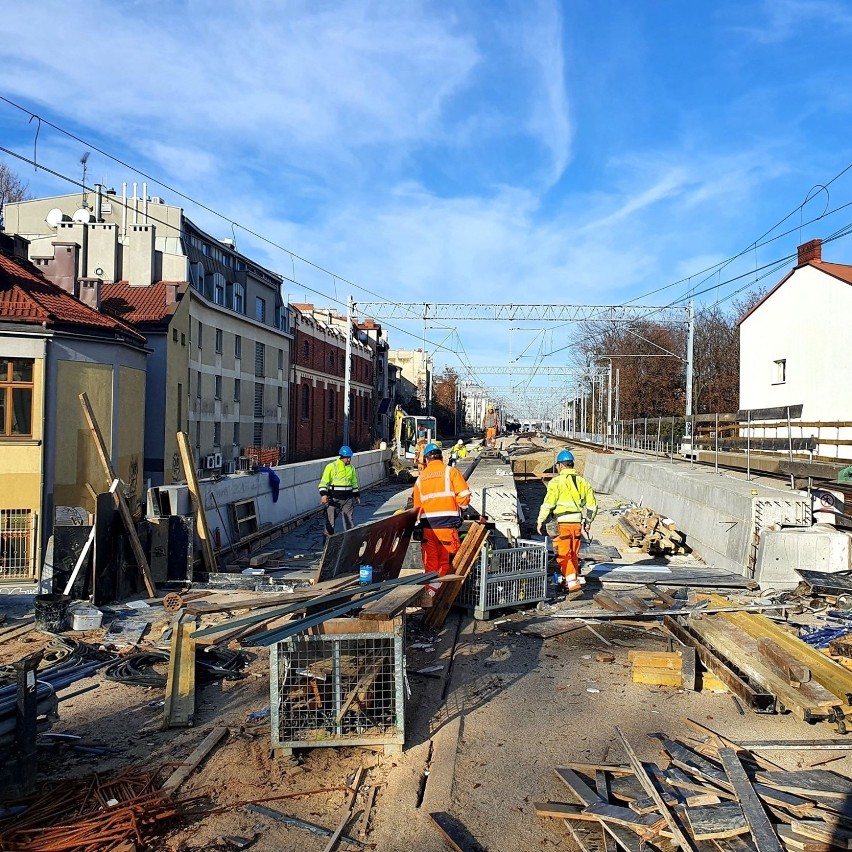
124, 210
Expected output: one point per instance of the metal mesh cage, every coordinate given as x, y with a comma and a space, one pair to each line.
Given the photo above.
507, 577
345, 689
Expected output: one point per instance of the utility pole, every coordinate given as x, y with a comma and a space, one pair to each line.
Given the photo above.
690, 342
347, 382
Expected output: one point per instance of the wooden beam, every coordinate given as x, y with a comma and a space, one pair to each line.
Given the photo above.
683, 840
762, 832
350, 808
179, 708
394, 602
183, 772
201, 527
121, 502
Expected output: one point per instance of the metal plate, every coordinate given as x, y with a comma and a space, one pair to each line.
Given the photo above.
382, 544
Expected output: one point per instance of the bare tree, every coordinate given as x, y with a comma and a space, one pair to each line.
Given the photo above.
444, 396
12, 188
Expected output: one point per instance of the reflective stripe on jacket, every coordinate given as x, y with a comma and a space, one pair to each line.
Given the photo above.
567, 495
339, 480
439, 493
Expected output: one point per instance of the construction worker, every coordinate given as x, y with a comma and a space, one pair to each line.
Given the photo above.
419, 447
459, 451
440, 494
490, 423
339, 491
568, 497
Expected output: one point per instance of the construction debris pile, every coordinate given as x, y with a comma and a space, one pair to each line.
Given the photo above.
651, 532
714, 790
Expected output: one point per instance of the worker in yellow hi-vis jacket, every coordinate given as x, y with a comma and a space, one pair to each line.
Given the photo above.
568, 497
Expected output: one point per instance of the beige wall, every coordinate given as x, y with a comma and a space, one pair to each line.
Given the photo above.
77, 460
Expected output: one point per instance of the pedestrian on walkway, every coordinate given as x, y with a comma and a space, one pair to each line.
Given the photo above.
339, 491
440, 494
490, 424
568, 497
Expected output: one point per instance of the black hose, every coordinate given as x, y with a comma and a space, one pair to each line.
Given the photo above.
138, 669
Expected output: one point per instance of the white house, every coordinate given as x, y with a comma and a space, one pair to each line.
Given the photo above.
792, 351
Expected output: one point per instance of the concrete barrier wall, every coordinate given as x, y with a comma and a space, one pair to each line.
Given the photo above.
298, 493
721, 515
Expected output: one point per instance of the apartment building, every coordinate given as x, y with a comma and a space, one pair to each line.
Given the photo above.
56, 343
414, 383
216, 323
318, 385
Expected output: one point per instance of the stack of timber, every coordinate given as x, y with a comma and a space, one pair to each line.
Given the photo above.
659, 668
650, 531
714, 796
764, 664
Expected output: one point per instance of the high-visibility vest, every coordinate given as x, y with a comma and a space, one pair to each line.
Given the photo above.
568, 494
339, 480
439, 493
490, 420
459, 451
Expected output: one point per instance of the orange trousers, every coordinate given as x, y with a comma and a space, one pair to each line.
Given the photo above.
567, 547
490, 434
437, 549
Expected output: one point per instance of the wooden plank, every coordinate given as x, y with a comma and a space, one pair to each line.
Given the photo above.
762, 833
808, 782
556, 810
350, 808
587, 838
823, 832
656, 677
118, 495
581, 790
188, 462
645, 825
450, 832
463, 562
782, 662
183, 772
682, 839
606, 600
626, 788
716, 821
179, 708
627, 840
393, 603
656, 659
799, 843
689, 668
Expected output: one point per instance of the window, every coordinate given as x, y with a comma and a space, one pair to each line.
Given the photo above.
258, 399
306, 351
236, 434
280, 359
217, 387
16, 535
332, 398
198, 386
240, 298
16, 396
198, 435
258, 434
236, 390
259, 360
260, 309
365, 408
200, 330
779, 371
219, 293
217, 434
174, 334
238, 347
331, 361
306, 402
219, 341
280, 395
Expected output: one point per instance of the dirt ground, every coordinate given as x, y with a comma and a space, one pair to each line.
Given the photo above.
482, 737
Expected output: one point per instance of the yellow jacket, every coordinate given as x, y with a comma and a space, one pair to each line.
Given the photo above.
568, 494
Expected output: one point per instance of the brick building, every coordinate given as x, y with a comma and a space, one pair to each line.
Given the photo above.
316, 392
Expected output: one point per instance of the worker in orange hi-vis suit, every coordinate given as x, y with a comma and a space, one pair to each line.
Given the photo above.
490, 423
440, 494
419, 446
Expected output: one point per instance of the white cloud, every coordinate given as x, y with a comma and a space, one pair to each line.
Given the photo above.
785, 19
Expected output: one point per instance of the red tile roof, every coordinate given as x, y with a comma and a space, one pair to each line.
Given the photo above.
139, 304
27, 296
842, 271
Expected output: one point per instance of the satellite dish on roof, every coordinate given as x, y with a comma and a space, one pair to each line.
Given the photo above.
54, 217
83, 216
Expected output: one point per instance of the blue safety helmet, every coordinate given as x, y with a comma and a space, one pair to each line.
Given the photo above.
345, 452
431, 448
565, 456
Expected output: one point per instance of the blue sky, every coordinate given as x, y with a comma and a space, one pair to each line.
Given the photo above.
484, 151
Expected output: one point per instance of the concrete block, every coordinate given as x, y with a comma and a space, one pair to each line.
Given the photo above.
780, 552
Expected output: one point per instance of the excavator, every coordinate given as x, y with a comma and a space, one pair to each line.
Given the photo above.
406, 427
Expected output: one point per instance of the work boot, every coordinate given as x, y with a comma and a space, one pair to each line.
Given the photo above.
575, 595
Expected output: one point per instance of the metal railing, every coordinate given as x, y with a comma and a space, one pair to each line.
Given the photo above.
17, 544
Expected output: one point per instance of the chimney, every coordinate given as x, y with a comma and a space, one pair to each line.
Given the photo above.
61, 269
171, 293
90, 292
810, 251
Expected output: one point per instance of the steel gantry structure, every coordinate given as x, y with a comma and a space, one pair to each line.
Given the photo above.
527, 312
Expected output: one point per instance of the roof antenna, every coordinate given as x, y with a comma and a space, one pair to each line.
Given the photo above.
83, 161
